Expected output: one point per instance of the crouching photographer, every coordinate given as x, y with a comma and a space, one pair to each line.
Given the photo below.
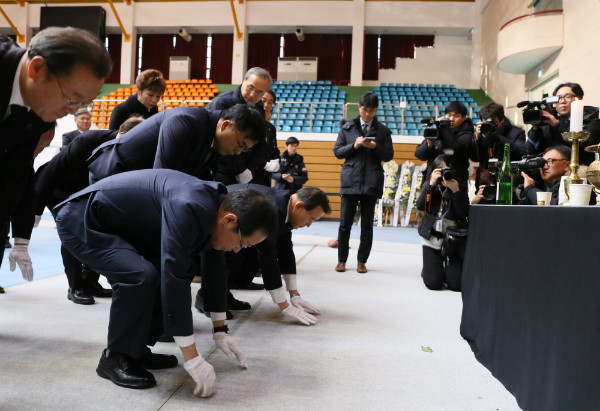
445, 203
491, 134
454, 138
549, 124
557, 163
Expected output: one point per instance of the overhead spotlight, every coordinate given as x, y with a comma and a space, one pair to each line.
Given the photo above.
299, 34
185, 35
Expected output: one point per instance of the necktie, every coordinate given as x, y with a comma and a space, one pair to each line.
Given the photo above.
365, 129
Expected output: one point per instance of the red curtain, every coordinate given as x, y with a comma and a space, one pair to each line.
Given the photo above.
114, 50
263, 51
370, 65
157, 48
222, 58
400, 46
333, 50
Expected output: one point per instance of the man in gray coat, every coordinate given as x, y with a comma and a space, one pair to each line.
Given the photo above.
363, 143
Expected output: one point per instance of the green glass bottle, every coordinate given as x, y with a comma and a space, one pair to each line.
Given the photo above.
504, 193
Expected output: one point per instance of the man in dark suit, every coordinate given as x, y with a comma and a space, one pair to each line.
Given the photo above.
144, 231
83, 121
276, 257
183, 139
56, 180
62, 70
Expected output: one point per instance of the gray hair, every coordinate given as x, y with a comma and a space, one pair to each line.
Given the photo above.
260, 72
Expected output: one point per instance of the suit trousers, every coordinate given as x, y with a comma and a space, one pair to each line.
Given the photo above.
348, 210
136, 312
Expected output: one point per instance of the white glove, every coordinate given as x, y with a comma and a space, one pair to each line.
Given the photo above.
300, 315
290, 281
19, 255
299, 302
36, 222
272, 166
278, 295
244, 177
229, 347
203, 374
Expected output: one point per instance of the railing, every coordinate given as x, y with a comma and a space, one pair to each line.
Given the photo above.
537, 13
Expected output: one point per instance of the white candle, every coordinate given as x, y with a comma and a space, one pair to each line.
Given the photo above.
577, 115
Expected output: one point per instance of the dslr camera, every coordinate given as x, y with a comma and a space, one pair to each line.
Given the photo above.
432, 126
447, 174
488, 130
532, 113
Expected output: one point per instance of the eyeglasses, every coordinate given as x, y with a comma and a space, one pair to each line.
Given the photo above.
242, 146
72, 103
551, 161
566, 97
241, 244
254, 90
367, 110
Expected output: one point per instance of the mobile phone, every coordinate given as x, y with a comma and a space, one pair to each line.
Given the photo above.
367, 139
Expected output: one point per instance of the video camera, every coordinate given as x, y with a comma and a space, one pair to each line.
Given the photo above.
429, 131
532, 114
529, 164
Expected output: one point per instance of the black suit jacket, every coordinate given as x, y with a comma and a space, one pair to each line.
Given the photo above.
19, 135
68, 137
276, 252
180, 139
123, 111
67, 172
166, 216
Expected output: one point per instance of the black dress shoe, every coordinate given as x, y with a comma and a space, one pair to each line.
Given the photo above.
95, 289
248, 286
152, 361
124, 371
7, 244
1, 290
236, 305
80, 297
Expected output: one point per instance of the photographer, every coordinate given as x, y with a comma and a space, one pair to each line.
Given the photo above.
454, 140
557, 165
445, 203
490, 136
548, 133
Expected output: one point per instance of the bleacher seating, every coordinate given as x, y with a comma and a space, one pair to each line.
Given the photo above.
313, 104
191, 93
422, 101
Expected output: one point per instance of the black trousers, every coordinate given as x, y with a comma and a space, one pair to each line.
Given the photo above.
438, 270
367, 211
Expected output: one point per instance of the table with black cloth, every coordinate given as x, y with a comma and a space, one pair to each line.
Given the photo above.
531, 302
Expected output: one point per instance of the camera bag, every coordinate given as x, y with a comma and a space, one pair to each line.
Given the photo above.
455, 242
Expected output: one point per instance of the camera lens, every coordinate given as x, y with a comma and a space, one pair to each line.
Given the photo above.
447, 173
489, 192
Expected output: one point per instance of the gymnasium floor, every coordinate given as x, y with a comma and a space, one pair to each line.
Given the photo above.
383, 341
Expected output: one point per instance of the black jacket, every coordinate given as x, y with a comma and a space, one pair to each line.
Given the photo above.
456, 208
546, 136
294, 166
180, 139
513, 135
132, 105
460, 141
362, 173
68, 137
19, 135
67, 172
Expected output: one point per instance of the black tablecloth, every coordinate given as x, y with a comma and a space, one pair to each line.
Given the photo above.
531, 302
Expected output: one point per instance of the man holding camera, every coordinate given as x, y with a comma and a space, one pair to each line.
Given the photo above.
454, 140
492, 134
557, 165
549, 132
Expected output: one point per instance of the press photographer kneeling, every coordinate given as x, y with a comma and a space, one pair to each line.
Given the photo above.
445, 203
557, 165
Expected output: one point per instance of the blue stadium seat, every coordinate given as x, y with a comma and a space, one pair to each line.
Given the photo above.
298, 122
316, 129
297, 129
318, 123
286, 128
306, 129
326, 130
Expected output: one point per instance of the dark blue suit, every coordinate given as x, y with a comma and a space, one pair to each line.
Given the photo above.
275, 253
144, 231
20, 131
180, 139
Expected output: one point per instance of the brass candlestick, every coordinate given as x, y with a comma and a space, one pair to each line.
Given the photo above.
574, 137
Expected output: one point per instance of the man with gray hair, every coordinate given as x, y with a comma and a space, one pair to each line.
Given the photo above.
256, 83
83, 121
62, 70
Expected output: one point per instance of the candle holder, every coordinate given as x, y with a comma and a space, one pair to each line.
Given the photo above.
575, 137
593, 171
